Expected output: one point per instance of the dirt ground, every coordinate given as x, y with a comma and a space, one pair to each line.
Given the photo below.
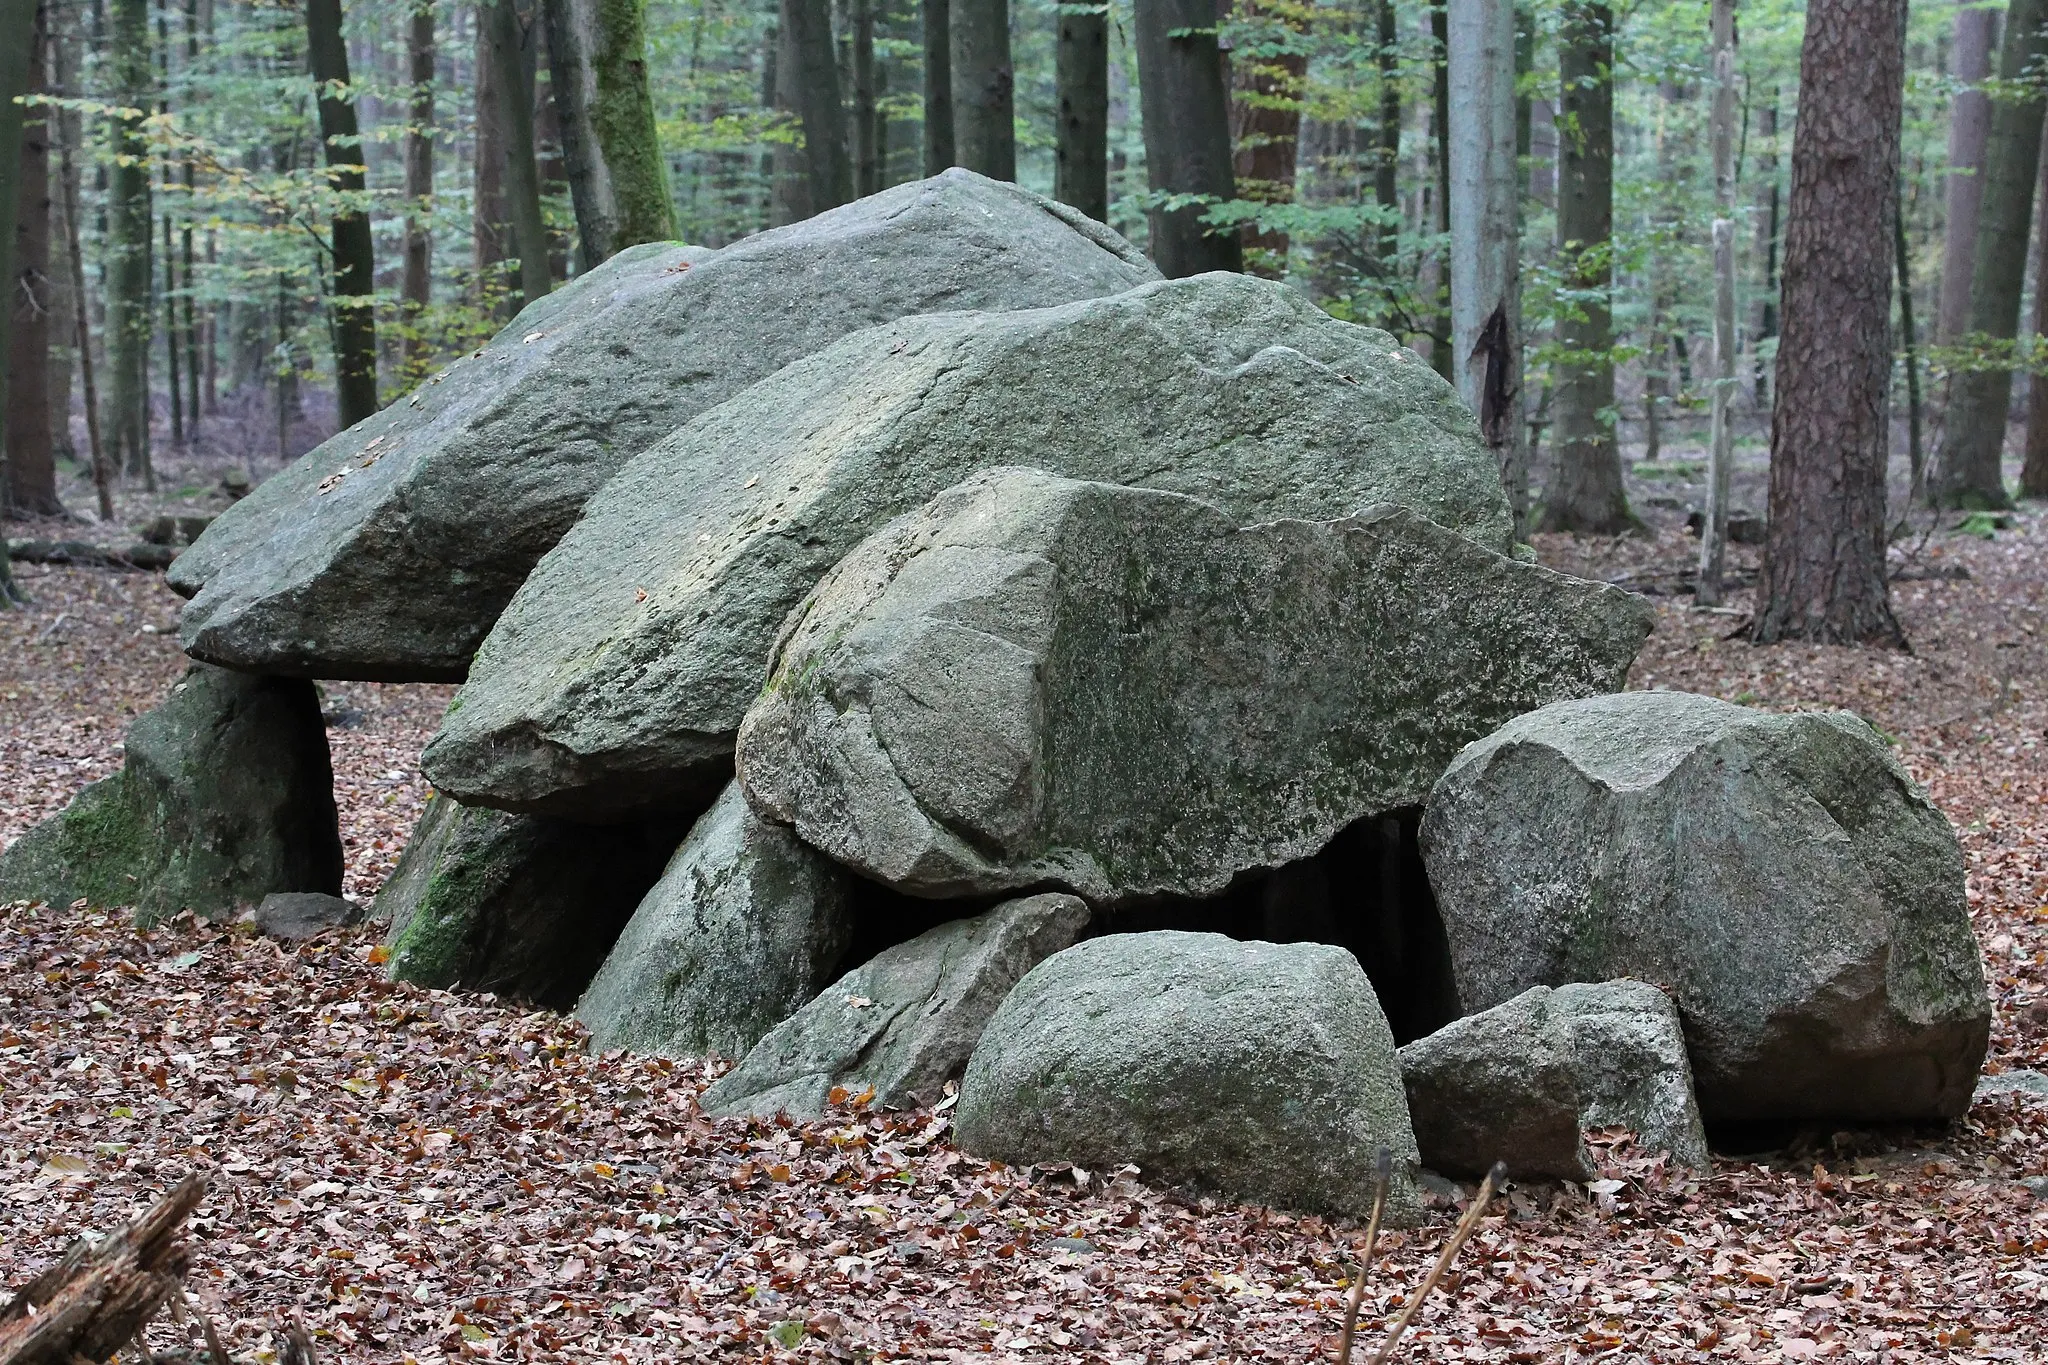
431, 1176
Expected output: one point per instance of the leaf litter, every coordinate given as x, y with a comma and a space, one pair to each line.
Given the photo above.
429, 1176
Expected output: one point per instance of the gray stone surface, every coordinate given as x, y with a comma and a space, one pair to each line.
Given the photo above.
295, 916
1262, 1072
2031, 1085
1781, 875
904, 1022
744, 927
624, 664
388, 551
1038, 681
1522, 1081
227, 795
519, 905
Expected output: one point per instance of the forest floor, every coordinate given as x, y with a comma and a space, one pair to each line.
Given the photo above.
436, 1176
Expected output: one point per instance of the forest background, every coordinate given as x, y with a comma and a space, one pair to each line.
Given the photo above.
186, 140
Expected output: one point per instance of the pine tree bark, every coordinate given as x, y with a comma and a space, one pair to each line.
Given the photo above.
522, 172
31, 471
939, 153
417, 287
130, 325
818, 175
1967, 472
984, 107
355, 284
1185, 106
1588, 495
1081, 80
1266, 78
1823, 574
1486, 342
1969, 129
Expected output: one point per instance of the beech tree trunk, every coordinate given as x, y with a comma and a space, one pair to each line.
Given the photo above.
1081, 79
984, 105
1969, 128
1967, 471
31, 472
1587, 494
866, 152
1720, 434
417, 289
1386, 186
355, 286
572, 87
1185, 107
1440, 130
1823, 575
130, 325
1266, 74
2034, 471
938, 85
490, 220
515, 122
618, 181
1767, 223
818, 175
1486, 342
17, 42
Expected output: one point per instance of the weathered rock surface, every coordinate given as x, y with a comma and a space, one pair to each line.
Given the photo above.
520, 905
1781, 875
1522, 1081
904, 1022
1262, 1072
295, 916
624, 665
387, 552
744, 927
2031, 1085
1034, 680
227, 795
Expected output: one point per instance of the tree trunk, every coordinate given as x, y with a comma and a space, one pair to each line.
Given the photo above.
1915, 457
31, 484
1440, 128
170, 296
186, 253
1720, 434
522, 172
817, 176
1386, 178
355, 284
1266, 74
2034, 472
624, 119
867, 165
1767, 238
490, 220
1081, 76
938, 86
1186, 114
417, 289
1587, 495
1967, 471
573, 85
129, 323
1486, 343
1823, 575
984, 110
81, 323
1969, 128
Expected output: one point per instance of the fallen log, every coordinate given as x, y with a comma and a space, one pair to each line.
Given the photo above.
100, 1295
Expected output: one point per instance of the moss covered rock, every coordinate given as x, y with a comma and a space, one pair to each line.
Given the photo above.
1119, 691
520, 905
227, 795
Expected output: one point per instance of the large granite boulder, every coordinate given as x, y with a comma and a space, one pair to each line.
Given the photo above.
1521, 1082
744, 927
903, 1023
227, 795
622, 668
388, 551
1781, 875
520, 905
1259, 1071
1034, 680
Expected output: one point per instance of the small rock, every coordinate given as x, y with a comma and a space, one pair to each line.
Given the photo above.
1257, 1071
297, 915
905, 1022
2031, 1085
1521, 1082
